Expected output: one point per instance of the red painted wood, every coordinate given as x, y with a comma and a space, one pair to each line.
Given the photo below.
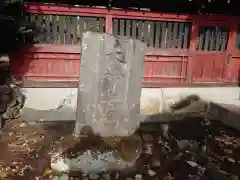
46, 66
159, 69
39, 8
232, 66
76, 49
192, 49
218, 22
58, 65
167, 52
165, 68
160, 17
55, 9
46, 8
162, 69
233, 73
44, 56
70, 13
51, 48
109, 24
116, 13
208, 67
232, 37
218, 71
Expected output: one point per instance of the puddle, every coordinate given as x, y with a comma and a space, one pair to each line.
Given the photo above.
90, 162
93, 154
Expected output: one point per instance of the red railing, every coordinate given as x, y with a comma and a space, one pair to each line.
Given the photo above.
184, 50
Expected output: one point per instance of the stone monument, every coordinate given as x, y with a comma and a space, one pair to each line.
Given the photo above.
111, 74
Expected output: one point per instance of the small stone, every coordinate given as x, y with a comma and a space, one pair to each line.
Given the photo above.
10, 134
106, 176
22, 125
32, 123
93, 176
151, 172
147, 138
148, 148
64, 177
234, 177
231, 160
138, 176
55, 178
117, 175
84, 175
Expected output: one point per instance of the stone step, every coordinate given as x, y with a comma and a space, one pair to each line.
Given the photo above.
229, 114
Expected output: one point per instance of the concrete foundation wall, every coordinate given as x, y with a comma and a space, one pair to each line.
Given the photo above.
50, 104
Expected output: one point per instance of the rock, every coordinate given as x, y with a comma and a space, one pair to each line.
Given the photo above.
234, 177
23, 125
10, 134
147, 137
12, 101
138, 177
58, 164
32, 123
93, 176
64, 177
106, 176
151, 172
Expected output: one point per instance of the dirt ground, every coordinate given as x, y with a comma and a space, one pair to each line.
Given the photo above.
26, 149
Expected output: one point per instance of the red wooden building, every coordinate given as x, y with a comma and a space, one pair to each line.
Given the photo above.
184, 50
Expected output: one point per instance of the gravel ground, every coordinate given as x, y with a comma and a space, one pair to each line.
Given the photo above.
26, 150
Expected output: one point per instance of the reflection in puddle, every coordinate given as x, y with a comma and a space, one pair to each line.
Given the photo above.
90, 162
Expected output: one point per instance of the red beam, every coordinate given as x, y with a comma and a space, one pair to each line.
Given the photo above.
40, 8
52, 56
52, 48
232, 37
150, 16
109, 24
76, 49
185, 56
193, 48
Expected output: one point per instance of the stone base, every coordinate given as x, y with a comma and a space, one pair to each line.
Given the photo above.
56, 104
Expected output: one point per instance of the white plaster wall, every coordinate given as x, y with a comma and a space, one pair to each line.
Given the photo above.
42, 103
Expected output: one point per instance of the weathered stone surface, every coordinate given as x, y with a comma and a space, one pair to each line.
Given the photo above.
11, 99
110, 84
228, 114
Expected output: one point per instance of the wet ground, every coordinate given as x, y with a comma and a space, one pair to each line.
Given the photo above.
189, 148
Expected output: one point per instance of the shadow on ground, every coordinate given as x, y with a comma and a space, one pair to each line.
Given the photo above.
180, 146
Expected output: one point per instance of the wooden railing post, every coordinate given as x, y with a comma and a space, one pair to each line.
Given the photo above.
194, 36
108, 25
230, 49
192, 50
232, 37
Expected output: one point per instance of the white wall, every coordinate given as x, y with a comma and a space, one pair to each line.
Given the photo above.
42, 103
